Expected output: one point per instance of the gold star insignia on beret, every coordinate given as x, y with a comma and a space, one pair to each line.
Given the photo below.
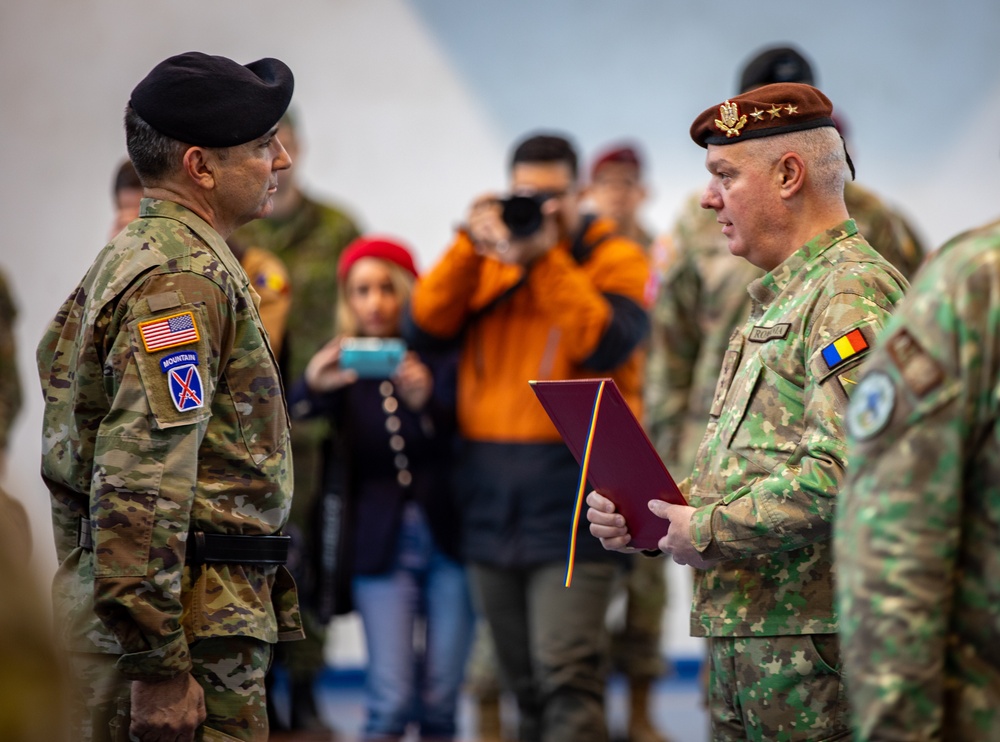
757, 114
775, 112
731, 122
791, 109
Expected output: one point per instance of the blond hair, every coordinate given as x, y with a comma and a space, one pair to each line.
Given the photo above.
345, 323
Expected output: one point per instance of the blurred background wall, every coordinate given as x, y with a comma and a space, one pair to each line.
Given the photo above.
408, 107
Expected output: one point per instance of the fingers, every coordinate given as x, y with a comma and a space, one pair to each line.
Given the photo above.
597, 501
660, 509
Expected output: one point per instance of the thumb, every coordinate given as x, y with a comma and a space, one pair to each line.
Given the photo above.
660, 509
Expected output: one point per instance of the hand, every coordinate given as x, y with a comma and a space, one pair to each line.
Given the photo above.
493, 238
323, 372
607, 525
677, 543
414, 382
167, 710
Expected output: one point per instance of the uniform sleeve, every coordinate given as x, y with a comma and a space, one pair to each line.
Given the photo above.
792, 433
10, 383
899, 524
674, 347
165, 350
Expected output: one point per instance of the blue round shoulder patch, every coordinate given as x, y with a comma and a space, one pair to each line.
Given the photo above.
871, 406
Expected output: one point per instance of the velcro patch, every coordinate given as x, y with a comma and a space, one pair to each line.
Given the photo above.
763, 334
843, 348
169, 332
920, 371
185, 386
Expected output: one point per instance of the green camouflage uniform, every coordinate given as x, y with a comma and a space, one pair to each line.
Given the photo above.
151, 451
10, 385
309, 241
918, 526
764, 485
702, 299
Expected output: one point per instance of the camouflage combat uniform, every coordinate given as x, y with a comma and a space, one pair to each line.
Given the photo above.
164, 417
309, 242
702, 299
917, 534
764, 486
10, 384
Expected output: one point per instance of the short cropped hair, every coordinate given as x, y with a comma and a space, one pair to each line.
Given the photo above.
126, 179
153, 155
821, 149
546, 148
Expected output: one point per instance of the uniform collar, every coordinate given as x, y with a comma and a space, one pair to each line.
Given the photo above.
773, 283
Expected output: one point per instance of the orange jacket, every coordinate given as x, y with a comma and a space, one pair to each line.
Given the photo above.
569, 320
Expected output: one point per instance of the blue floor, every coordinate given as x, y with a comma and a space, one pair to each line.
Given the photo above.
676, 706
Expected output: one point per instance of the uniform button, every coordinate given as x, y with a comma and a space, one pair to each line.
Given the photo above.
401, 461
396, 443
393, 424
385, 388
404, 478
390, 405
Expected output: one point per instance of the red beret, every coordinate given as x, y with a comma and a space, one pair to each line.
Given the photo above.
780, 108
375, 246
624, 154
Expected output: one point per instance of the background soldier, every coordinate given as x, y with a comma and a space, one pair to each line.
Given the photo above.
757, 529
308, 236
917, 536
165, 431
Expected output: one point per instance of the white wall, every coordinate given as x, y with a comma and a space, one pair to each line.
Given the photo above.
408, 109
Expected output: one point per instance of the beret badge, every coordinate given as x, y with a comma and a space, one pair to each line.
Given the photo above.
731, 122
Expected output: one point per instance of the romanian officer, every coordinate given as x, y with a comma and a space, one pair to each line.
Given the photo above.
165, 436
918, 527
761, 498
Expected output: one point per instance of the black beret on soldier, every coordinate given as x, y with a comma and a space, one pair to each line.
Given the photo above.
212, 101
776, 64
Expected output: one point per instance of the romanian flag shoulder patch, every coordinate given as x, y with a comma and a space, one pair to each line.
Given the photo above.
843, 348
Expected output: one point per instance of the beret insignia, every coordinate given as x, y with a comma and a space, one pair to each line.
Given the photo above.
731, 122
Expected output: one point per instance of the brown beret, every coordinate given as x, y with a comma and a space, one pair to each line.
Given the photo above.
780, 108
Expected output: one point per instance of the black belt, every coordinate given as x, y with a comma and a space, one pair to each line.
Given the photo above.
216, 548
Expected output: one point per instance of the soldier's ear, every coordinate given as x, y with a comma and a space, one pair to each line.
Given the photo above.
199, 166
791, 174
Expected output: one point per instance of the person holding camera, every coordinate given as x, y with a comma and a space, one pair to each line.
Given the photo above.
384, 524
530, 289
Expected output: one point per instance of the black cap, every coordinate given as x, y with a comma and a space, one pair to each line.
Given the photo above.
776, 64
212, 101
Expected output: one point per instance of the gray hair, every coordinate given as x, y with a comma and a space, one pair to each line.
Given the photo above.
153, 155
821, 149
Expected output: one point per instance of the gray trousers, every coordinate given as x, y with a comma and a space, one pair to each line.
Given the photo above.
551, 644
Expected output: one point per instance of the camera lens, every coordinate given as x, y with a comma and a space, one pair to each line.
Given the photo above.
522, 214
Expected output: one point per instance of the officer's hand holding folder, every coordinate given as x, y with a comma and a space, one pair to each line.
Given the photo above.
614, 453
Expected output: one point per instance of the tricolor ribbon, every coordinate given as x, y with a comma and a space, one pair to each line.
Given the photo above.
583, 483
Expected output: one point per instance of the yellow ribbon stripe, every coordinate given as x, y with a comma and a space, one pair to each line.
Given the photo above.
583, 484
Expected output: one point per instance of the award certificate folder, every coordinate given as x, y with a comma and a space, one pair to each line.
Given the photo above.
622, 463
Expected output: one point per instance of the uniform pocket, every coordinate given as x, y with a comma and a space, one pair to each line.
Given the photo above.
768, 429
254, 387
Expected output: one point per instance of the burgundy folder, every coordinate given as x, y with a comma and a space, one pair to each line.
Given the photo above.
624, 466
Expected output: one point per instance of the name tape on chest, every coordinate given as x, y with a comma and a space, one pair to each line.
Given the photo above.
843, 348
183, 380
762, 334
169, 332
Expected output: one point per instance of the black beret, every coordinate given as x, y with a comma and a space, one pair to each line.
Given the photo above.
212, 101
776, 64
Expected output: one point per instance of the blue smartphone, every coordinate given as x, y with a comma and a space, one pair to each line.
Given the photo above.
372, 358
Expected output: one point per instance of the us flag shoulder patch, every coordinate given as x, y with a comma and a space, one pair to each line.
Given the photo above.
169, 332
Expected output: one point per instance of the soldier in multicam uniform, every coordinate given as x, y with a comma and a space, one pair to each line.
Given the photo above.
702, 295
917, 536
761, 497
308, 236
165, 435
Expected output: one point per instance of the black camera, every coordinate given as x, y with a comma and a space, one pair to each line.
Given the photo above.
523, 214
